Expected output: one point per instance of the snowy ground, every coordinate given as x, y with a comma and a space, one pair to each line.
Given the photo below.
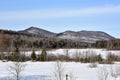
45, 70
72, 52
35, 69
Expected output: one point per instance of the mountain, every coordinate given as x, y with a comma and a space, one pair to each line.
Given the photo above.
82, 36
38, 31
85, 36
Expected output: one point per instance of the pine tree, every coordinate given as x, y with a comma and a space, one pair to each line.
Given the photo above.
16, 55
100, 58
43, 56
33, 55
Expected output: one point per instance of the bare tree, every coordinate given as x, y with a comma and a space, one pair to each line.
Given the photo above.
115, 71
103, 73
66, 51
2, 45
112, 71
77, 56
72, 77
59, 70
16, 70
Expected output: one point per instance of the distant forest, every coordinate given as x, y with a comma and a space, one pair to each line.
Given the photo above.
110, 45
10, 40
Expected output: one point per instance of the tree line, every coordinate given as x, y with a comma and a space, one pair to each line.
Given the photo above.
30, 42
108, 44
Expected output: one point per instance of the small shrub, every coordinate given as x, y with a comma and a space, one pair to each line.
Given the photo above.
92, 65
51, 57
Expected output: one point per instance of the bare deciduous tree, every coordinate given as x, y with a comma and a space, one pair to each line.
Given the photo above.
72, 77
59, 70
66, 51
2, 46
103, 73
115, 71
16, 70
77, 56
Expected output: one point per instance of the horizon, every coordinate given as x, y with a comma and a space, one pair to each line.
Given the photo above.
61, 15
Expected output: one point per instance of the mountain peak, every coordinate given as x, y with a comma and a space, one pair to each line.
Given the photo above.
33, 28
39, 31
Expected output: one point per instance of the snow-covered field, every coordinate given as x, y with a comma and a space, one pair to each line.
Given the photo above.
45, 70
72, 52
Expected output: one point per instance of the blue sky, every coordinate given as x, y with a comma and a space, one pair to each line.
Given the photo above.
60, 15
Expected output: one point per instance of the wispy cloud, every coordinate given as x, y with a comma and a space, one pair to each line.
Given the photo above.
56, 13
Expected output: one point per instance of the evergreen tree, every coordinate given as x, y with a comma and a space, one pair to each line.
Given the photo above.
100, 58
33, 55
15, 55
43, 56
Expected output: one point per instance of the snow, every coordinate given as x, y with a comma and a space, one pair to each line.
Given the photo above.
36, 69
72, 52
45, 70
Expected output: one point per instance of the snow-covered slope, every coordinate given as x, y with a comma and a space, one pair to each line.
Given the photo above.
82, 36
38, 31
85, 36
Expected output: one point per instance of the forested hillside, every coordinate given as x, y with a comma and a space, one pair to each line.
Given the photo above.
27, 41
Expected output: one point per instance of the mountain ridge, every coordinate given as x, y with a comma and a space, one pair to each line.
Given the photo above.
82, 36
85, 36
